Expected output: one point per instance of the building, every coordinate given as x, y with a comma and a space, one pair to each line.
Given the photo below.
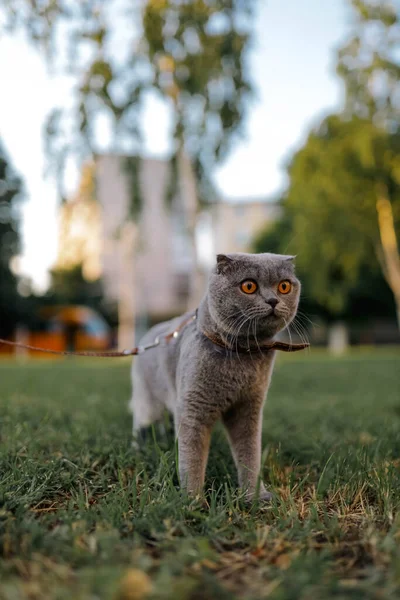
237, 223
146, 265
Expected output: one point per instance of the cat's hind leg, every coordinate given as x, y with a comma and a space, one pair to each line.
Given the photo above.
145, 408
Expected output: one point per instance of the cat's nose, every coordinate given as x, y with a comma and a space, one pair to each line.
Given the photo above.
272, 302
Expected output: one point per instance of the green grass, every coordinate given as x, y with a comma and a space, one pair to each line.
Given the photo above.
84, 516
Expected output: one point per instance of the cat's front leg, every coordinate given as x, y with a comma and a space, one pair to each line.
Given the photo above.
193, 445
243, 423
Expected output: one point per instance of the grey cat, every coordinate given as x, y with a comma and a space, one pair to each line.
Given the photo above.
213, 367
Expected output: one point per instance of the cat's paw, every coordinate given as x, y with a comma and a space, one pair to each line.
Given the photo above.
141, 437
263, 497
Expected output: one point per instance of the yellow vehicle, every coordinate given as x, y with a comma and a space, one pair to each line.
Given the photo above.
71, 328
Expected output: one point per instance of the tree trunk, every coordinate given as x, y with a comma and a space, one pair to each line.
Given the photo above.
390, 251
126, 292
188, 188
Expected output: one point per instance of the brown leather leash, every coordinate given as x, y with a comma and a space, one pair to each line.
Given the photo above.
159, 341
108, 354
263, 348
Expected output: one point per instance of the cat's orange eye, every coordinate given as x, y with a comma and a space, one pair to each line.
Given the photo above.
248, 286
284, 287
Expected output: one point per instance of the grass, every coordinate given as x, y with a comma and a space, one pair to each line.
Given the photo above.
83, 516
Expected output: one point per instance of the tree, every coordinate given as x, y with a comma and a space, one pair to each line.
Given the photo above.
10, 196
190, 54
342, 206
365, 296
369, 65
69, 286
330, 216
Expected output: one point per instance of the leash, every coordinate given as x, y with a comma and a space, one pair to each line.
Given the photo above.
160, 341
283, 346
108, 354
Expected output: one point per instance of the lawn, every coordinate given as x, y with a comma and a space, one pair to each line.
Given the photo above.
84, 516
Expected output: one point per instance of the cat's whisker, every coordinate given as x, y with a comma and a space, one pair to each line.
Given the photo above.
302, 315
232, 317
302, 327
234, 321
298, 322
304, 340
253, 324
248, 318
299, 329
235, 333
231, 335
255, 335
297, 332
248, 338
304, 335
304, 323
235, 336
287, 325
238, 332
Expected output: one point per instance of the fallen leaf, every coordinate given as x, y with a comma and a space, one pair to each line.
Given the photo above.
135, 585
283, 561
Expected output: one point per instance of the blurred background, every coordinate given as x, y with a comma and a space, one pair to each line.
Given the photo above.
138, 138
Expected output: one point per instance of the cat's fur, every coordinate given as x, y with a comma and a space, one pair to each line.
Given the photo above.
200, 382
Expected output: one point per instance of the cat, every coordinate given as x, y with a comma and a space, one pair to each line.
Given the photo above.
213, 368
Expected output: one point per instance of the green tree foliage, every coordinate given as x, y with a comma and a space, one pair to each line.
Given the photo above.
330, 207
10, 195
342, 206
369, 63
368, 295
69, 286
190, 54
332, 195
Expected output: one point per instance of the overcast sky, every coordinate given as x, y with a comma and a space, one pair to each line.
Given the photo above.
292, 66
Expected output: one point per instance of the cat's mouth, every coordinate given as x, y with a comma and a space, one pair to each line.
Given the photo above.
280, 312
275, 318
273, 314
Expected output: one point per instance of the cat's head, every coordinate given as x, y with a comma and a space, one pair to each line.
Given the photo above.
250, 293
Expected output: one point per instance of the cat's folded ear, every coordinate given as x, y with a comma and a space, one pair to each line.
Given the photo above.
290, 258
224, 263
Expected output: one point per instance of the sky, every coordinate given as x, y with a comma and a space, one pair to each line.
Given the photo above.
292, 66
